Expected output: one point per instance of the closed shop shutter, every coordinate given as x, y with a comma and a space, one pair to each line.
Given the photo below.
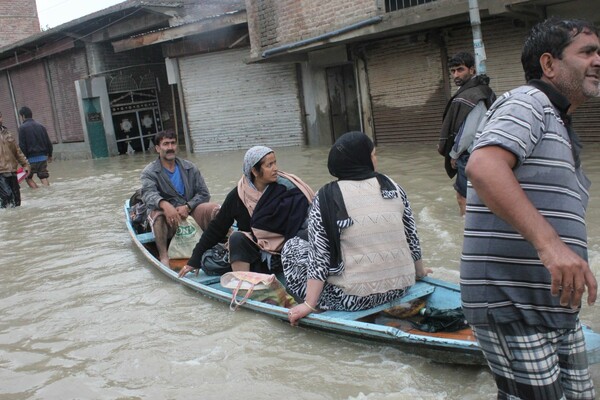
406, 87
6, 105
31, 90
503, 44
586, 121
65, 69
232, 105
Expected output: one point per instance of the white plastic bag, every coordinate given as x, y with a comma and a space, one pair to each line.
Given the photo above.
185, 239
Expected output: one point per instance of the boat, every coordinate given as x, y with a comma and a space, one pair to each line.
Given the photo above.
375, 325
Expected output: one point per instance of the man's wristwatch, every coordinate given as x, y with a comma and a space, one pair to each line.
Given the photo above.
188, 207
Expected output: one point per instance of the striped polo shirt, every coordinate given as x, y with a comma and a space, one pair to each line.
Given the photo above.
500, 272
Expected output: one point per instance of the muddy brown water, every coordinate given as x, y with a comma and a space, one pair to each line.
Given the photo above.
85, 316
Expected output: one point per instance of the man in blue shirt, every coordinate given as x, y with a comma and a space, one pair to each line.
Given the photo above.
172, 189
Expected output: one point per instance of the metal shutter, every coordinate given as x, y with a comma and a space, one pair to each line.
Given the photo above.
231, 105
406, 85
586, 121
503, 44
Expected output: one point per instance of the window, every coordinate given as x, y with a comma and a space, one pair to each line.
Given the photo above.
394, 5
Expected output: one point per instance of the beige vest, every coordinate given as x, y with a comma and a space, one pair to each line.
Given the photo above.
374, 249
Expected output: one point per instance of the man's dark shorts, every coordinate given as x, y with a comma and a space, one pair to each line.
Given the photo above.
461, 177
39, 168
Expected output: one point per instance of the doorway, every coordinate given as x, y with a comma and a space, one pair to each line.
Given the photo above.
343, 100
135, 112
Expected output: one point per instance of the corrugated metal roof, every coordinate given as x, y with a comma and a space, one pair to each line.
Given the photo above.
189, 22
64, 30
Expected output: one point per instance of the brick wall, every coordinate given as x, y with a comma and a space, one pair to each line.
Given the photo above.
65, 69
18, 20
274, 23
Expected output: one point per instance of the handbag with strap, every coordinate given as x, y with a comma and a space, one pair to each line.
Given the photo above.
215, 261
271, 290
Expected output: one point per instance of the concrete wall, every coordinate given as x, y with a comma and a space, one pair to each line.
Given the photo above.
89, 89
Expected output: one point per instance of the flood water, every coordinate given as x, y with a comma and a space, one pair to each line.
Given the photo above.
85, 316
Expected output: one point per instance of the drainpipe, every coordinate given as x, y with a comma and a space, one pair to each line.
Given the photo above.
11, 89
478, 46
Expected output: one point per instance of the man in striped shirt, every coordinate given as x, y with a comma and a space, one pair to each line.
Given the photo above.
524, 266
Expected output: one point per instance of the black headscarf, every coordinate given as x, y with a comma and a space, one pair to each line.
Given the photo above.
349, 159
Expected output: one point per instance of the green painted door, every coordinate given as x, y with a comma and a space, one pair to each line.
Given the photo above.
95, 127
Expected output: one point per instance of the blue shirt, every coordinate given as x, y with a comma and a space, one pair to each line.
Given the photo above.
176, 180
40, 158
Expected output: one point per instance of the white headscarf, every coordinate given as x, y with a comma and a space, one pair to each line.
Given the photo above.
253, 155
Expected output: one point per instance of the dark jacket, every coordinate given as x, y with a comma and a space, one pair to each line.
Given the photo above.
232, 210
157, 186
280, 209
457, 110
34, 140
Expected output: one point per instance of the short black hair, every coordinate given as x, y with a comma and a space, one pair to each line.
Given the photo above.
550, 36
26, 112
462, 58
168, 134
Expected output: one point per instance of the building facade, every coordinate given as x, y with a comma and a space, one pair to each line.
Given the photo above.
229, 74
380, 65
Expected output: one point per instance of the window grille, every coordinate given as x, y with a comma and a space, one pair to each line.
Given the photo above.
121, 83
148, 80
394, 5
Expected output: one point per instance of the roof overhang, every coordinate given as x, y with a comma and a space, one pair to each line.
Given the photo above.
123, 19
425, 17
205, 25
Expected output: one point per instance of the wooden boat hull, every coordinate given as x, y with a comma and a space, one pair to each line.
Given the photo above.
446, 347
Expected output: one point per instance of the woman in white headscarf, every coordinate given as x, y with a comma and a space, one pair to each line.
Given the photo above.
269, 206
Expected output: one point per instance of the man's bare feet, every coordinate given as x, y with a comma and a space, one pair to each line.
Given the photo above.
165, 261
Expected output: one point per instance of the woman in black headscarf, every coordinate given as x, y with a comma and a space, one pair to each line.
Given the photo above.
362, 248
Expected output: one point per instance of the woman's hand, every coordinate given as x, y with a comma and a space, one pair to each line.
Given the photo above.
298, 312
420, 270
187, 268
